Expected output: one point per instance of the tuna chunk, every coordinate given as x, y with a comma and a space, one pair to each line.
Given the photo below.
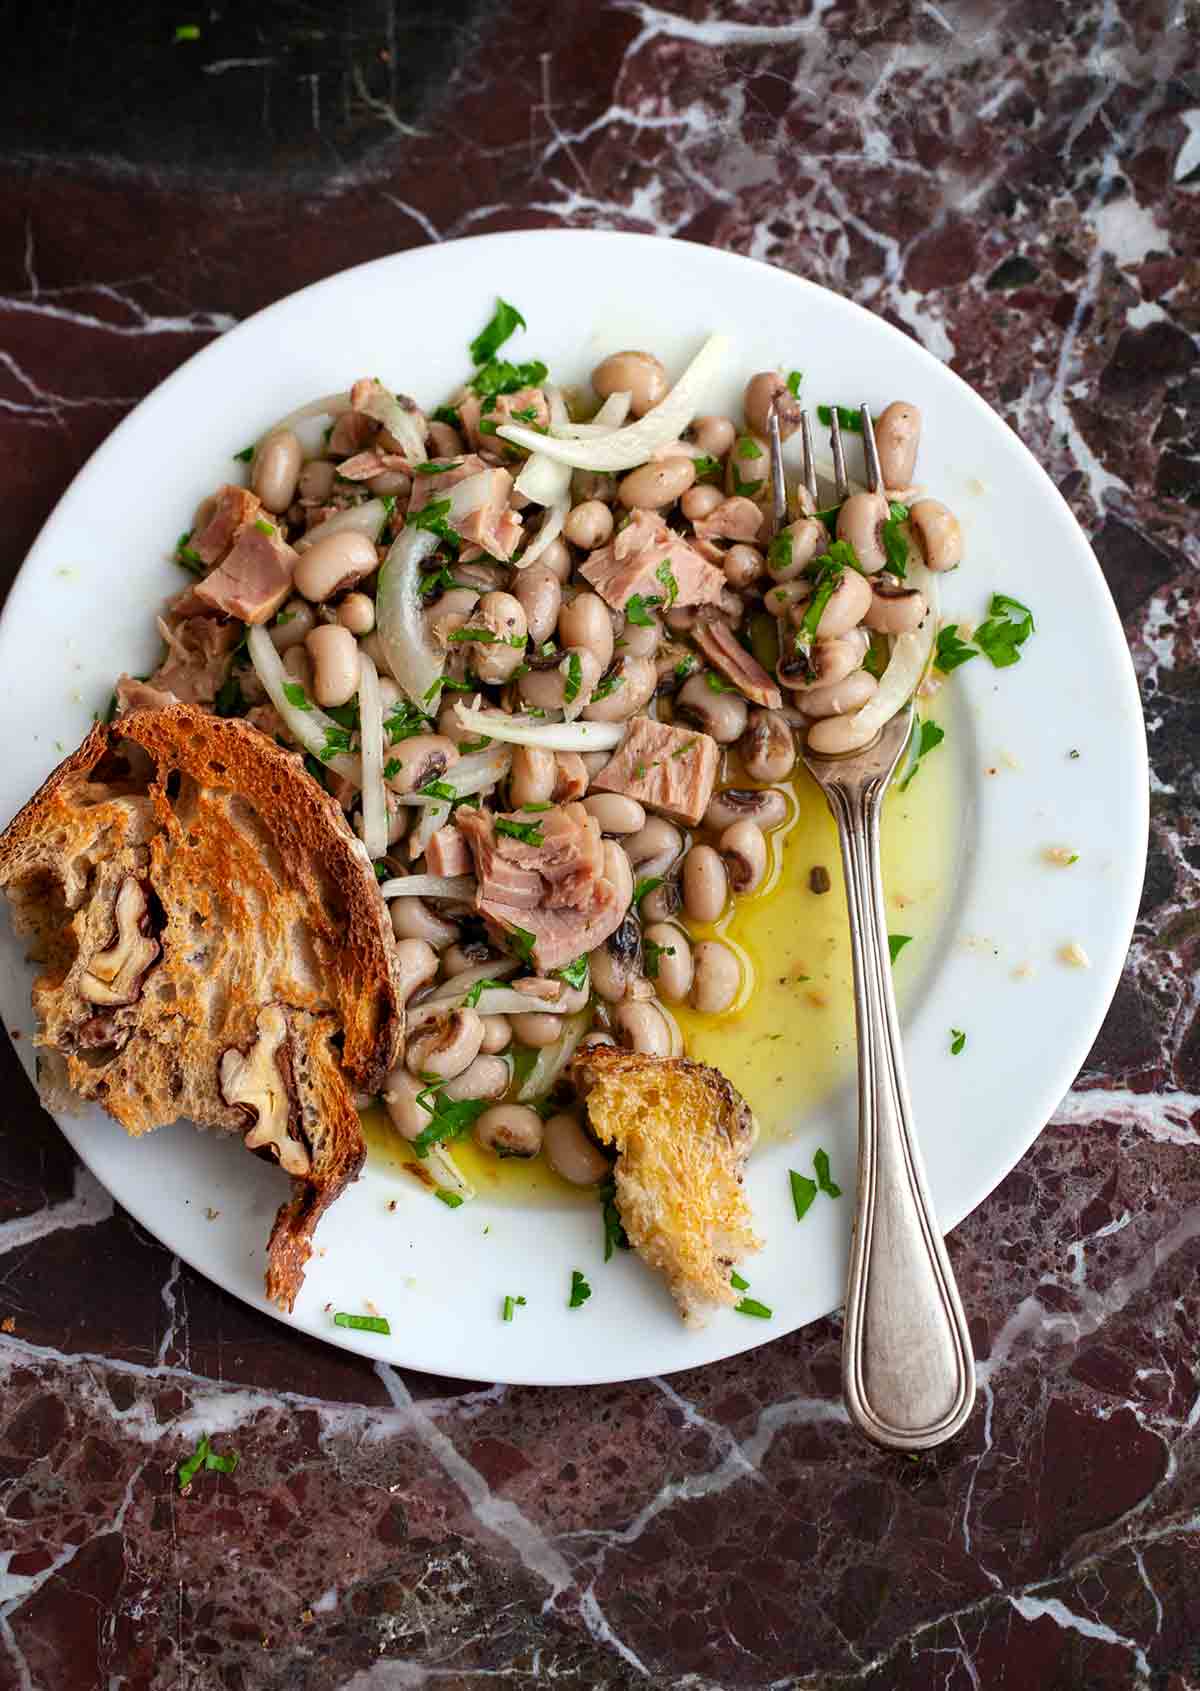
648, 558
197, 660
493, 526
716, 640
352, 432
670, 769
551, 887
133, 694
233, 506
256, 576
370, 463
448, 853
525, 400
733, 519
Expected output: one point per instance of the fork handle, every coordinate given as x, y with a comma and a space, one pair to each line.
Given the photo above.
908, 1371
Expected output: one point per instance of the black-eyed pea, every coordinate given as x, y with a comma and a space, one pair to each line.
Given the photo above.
895, 609
639, 374
416, 966
765, 393
713, 435
716, 979
839, 698
556, 557
700, 502
744, 853
569, 1151
532, 776
705, 884
418, 760
634, 681
938, 531
316, 481
497, 1035
357, 613
588, 525
536, 1028
897, 436
509, 1130
720, 713
540, 593
743, 565
656, 485
768, 747
444, 441
654, 848
333, 652
759, 805
585, 621
618, 873
615, 813
486, 1077
859, 522
795, 547
293, 625
275, 471
668, 953
641, 1026
334, 563
413, 919
444, 1043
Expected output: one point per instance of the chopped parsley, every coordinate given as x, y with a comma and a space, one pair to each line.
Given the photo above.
1009, 625
477, 991
950, 651
779, 552
575, 974
896, 944
804, 1191
895, 545
433, 517
738, 1284
510, 1307
363, 1323
188, 556
747, 447
295, 695
572, 678
615, 1236
876, 660
666, 575
204, 1456
643, 888
636, 610
447, 414
716, 685
486, 637
245, 455
452, 1200
544, 805
497, 376
186, 32
391, 768
404, 721
580, 1290
826, 584
263, 526
529, 833
827, 1185
229, 701
505, 321
607, 686
706, 466
685, 666
337, 741
957, 1040
829, 517
653, 952
449, 1118
847, 419
523, 942
432, 468
527, 414
751, 1306
795, 377
685, 748
929, 737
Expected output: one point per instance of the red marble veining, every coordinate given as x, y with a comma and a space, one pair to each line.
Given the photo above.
1018, 186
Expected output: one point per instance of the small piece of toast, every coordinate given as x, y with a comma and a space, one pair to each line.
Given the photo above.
682, 1134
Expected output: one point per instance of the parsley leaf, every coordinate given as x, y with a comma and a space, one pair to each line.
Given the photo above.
779, 552
449, 1118
894, 543
447, 414
295, 695
951, 651
439, 790
337, 740
433, 468
747, 447
245, 455
575, 974
666, 575
433, 517
738, 1284
804, 1191
827, 1185
510, 1307
477, 991
716, 685
615, 1236
706, 466
957, 1040
188, 556
529, 833
573, 678
930, 736
497, 377
263, 526
522, 942
580, 1290
751, 1306
636, 610
363, 1323
609, 685
452, 1200
896, 944
652, 953
404, 721
826, 581
847, 419
527, 414
685, 748
1009, 625
795, 377
204, 1456
643, 887
506, 320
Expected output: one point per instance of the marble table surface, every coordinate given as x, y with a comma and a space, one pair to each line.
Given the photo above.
1016, 184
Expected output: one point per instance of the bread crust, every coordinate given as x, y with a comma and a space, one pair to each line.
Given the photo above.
256, 893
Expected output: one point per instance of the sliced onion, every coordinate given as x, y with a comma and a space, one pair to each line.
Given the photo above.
435, 815
310, 726
400, 423
553, 736
446, 1172
473, 774
458, 986
329, 405
429, 886
502, 1001
412, 658
551, 528
610, 416
633, 444
370, 732
367, 518
906, 666
572, 711
553, 1059
542, 480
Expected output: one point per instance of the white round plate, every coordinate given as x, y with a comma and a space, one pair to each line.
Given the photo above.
83, 610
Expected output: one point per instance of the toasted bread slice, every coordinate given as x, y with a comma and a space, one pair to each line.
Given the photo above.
682, 1134
214, 947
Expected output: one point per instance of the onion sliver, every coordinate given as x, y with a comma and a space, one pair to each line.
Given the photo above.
446, 1172
370, 731
551, 527
458, 986
399, 619
542, 480
307, 723
429, 886
329, 405
553, 736
367, 518
503, 1001
905, 671
432, 818
610, 416
553, 1059
397, 419
635, 443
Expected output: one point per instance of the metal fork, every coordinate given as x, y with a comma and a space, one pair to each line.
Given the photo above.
908, 1374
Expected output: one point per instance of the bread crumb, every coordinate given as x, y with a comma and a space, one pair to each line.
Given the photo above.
8, 1325
1061, 856
817, 999
211, 1214
1010, 761
1024, 971
974, 485
393, 1204
371, 1308
1074, 954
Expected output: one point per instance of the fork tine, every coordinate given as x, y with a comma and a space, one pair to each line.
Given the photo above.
871, 452
841, 483
779, 510
810, 463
